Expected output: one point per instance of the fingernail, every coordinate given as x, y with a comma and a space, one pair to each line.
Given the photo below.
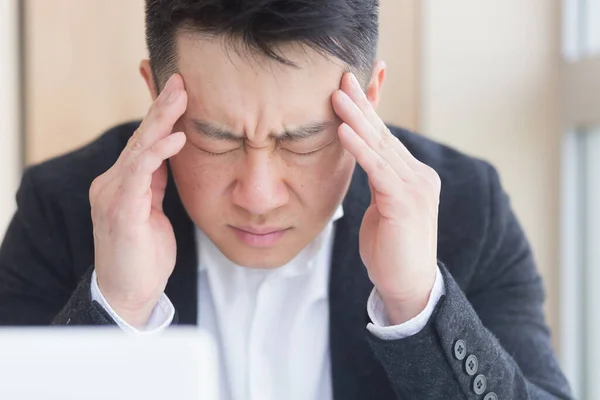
355, 80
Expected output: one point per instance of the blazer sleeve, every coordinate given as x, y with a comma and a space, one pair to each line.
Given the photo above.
37, 282
490, 338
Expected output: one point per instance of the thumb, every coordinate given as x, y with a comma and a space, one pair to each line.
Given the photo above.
373, 193
158, 186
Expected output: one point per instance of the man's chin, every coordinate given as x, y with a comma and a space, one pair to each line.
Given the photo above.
259, 258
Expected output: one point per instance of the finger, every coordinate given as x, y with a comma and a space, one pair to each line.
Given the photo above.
352, 88
379, 171
349, 112
138, 176
168, 107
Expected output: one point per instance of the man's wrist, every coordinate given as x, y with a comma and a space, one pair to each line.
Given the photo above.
135, 314
400, 309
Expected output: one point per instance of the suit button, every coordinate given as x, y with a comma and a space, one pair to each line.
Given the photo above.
479, 384
460, 350
471, 365
490, 396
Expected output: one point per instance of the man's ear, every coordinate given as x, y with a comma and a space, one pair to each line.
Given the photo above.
146, 72
376, 83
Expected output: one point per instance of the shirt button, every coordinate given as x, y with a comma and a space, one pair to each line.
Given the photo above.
471, 365
460, 350
479, 384
491, 396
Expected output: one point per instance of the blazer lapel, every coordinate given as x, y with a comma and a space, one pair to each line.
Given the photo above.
182, 288
356, 373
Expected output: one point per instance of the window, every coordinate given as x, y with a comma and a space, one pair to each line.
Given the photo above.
10, 156
580, 270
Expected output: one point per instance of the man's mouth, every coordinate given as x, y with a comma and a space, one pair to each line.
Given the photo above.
264, 236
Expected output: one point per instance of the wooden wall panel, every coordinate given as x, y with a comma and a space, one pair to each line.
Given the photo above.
82, 76
399, 47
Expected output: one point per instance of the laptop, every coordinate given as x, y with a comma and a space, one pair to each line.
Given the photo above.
105, 364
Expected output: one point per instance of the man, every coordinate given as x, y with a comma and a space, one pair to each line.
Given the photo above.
237, 204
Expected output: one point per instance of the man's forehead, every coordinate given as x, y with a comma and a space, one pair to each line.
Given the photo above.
222, 57
224, 88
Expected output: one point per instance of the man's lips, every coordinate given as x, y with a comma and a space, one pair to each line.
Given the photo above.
259, 236
265, 230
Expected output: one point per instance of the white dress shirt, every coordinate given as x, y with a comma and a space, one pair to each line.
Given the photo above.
272, 326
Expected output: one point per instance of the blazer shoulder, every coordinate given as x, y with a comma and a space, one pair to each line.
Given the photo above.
453, 166
72, 173
468, 183
471, 191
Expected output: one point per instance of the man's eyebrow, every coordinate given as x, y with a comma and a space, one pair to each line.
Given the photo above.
305, 131
213, 132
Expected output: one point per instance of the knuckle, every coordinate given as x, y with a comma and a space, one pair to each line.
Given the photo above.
156, 148
157, 112
97, 186
431, 176
388, 134
135, 144
93, 193
416, 198
383, 144
134, 166
428, 184
420, 194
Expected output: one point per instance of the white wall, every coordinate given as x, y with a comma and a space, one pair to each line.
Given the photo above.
491, 81
10, 155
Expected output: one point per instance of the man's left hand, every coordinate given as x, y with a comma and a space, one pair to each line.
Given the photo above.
398, 235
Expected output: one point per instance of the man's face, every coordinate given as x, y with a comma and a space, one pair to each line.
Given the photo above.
263, 170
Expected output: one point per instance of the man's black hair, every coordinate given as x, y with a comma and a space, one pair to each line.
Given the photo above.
344, 29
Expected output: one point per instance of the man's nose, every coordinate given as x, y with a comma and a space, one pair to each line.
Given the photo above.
260, 187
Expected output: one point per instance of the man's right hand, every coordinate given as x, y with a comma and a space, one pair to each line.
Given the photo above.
134, 242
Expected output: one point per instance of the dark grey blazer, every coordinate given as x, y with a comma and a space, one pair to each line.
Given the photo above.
492, 308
